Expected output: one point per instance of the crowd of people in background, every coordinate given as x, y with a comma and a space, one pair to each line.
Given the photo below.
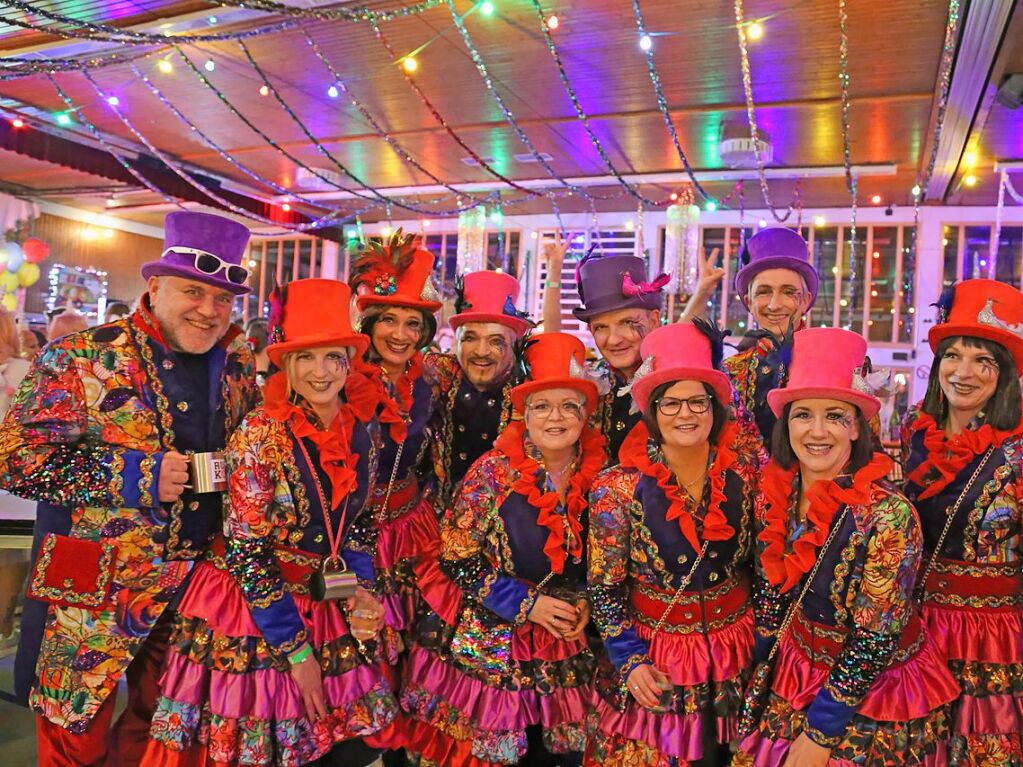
321, 541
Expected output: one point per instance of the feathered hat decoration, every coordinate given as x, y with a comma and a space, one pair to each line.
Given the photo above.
522, 369
378, 266
461, 304
510, 310
716, 336
944, 303
275, 320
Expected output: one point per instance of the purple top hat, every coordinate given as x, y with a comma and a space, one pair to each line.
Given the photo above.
205, 248
609, 283
776, 247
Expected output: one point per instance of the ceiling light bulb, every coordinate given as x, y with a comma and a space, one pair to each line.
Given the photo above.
755, 31
410, 64
210, 65
487, 8
332, 91
646, 43
819, 221
915, 190
113, 101
711, 206
165, 66
63, 119
876, 199
264, 90
17, 122
970, 180
552, 22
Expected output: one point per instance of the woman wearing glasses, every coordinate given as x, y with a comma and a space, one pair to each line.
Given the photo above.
965, 475
270, 659
669, 562
513, 675
846, 674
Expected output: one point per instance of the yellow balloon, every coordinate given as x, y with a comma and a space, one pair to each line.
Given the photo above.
9, 281
28, 274
10, 302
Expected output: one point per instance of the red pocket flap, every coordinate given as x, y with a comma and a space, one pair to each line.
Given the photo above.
73, 572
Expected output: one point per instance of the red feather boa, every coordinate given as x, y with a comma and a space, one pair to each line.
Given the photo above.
561, 542
633, 454
947, 456
787, 568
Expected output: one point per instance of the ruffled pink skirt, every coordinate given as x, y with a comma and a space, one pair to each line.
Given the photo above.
226, 700
708, 671
901, 721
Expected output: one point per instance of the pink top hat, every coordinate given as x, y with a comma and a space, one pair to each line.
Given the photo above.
677, 352
824, 366
489, 297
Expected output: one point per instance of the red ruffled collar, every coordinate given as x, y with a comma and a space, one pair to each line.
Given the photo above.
787, 567
334, 444
394, 407
633, 454
947, 456
566, 532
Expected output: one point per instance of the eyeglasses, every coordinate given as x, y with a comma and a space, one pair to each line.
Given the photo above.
209, 264
670, 406
543, 410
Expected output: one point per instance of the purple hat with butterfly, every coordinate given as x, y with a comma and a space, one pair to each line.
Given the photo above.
610, 283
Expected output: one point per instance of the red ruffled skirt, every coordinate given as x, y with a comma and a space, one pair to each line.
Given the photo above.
227, 700
974, 612
706, 653
901, 721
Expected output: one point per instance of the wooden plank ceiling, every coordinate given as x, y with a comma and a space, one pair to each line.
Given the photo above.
894, 53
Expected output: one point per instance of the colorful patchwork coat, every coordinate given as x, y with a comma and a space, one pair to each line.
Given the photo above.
760, 366
87, 431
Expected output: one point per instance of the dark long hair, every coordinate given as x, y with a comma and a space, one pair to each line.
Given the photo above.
1004, 410
718, 409
781, 445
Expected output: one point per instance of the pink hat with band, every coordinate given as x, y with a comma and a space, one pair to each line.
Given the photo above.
825, 365
489, 297
678, 352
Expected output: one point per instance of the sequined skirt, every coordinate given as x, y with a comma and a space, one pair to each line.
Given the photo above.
227, 699
705, 646
903, 719
975, 614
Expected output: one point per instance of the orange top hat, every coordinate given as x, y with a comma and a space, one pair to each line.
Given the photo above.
395, 274
489, 297
678, 352
308, 313
985, 309
554, 361
825, 362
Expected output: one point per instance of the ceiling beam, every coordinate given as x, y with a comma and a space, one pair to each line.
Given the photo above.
635, 179
982, 34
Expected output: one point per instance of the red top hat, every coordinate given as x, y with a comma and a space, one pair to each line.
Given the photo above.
825, 362
308, 313
985, 309
490, 297
554, 361
395, 274
677, 352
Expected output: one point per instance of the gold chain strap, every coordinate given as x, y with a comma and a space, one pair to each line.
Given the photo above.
806, 587
948, 522
682, 587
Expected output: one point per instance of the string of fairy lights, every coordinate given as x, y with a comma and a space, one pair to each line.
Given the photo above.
850, 177
161, 46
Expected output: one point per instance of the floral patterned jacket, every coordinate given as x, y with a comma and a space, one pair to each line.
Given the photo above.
87, 431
